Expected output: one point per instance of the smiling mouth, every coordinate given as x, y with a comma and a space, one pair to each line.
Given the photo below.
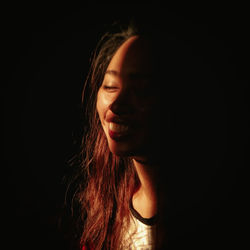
118, 128
118, 131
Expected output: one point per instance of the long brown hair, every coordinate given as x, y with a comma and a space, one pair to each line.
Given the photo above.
106, 181
109, 180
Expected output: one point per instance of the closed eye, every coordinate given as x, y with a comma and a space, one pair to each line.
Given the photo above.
110, 88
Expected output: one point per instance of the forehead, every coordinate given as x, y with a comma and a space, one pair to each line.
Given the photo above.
133, 57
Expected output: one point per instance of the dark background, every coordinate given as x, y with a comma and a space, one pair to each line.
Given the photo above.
46, 51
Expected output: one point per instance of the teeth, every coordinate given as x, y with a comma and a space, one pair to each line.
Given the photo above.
118, 128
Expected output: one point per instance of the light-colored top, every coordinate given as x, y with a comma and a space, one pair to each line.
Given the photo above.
141, 233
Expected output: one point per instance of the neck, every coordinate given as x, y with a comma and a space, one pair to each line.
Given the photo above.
145, 198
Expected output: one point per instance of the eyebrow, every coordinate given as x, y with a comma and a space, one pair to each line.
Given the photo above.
134, 75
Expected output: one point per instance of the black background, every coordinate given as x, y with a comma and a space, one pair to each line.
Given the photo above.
46, 51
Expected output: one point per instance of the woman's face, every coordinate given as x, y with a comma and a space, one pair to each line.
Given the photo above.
126, 100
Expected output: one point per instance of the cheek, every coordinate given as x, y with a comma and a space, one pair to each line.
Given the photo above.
146, 112
102, 105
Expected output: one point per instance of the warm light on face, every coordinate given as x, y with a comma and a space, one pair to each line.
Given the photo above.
125, 99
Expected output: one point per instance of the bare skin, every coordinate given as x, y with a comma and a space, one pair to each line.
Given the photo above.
126, 115
145, 199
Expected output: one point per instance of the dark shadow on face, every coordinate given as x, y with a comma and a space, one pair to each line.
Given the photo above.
128, 98
164, 94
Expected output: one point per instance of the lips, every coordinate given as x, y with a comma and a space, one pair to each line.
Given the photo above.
118, 128
119, 131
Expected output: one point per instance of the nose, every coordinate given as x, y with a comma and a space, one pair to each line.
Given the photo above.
122, 104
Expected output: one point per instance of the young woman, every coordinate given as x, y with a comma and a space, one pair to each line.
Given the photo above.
120, 196
128, 151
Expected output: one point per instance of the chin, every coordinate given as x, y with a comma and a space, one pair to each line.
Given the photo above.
121, 149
